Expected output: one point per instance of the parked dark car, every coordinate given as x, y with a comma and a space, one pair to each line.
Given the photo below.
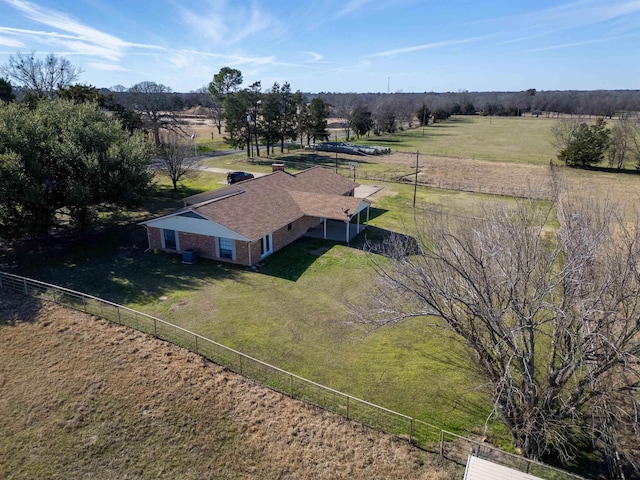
235, 177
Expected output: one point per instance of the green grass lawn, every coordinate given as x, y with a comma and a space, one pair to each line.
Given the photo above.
508, 139
291, 312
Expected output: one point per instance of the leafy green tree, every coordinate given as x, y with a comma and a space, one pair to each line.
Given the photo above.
361, 121
82, 94
587, 145
130, 120
237, 106
6, 91
301, 117
318, 114
225, 82
63, 158
440, 114
423, 114
271, 116
287, 113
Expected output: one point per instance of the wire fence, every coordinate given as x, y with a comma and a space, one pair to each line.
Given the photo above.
421, 434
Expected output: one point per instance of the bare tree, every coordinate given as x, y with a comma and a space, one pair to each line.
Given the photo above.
564, 131
44, 77
343, 106
155, 103
624, 138
177, 158
551, 316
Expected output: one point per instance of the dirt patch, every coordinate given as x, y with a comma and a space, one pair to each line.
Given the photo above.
82, 397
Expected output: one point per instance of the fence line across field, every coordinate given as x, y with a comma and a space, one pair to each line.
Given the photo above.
422, 434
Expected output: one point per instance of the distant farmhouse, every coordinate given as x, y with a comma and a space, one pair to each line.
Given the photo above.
245, 222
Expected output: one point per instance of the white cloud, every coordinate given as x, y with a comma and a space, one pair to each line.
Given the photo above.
79, 38
351, 6
106, 67
10, 42
226, 24
427, 46
315, 57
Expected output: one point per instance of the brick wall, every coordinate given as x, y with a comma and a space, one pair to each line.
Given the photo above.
242, 252
155, 240
284, 236
203, 245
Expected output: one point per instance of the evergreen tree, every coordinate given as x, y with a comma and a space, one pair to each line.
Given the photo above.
60, 157
587, 146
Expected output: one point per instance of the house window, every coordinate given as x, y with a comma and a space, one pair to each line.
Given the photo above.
226, 248
290, 226
266, 246
169, 237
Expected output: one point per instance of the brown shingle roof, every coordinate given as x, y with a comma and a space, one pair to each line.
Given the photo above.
273, 201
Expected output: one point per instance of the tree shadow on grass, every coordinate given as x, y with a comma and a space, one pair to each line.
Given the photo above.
111, 263
373, 239
472, 406
17, 308
292, 261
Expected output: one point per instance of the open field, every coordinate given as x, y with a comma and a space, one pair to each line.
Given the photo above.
291, 312
501, 139
83, 398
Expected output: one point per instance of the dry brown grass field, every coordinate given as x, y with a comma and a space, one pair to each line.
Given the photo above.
84, 398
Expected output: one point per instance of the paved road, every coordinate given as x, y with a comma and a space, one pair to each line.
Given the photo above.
225, 170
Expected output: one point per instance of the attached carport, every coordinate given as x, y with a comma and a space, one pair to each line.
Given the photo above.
341, 218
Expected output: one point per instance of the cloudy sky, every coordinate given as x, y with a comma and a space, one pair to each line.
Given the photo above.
337, 45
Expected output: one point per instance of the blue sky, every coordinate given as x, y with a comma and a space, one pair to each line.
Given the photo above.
337, 45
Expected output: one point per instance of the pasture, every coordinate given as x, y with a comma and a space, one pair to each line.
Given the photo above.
292, 311
84, 398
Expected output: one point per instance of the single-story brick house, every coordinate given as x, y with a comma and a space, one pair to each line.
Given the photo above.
245, 222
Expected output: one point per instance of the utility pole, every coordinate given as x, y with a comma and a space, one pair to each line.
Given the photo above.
249, 135
424, 116
415, 183
336, 153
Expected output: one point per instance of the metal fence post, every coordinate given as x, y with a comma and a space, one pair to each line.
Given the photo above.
240, 357
155, 328
196, 344
118, 310
442, 443
411, 431
347, 408
84, 304
0, 279
26, 290
291, 385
